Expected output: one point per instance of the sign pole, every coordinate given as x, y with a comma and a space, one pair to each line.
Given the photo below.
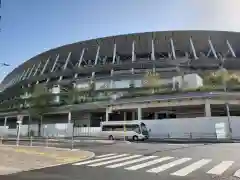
19, 122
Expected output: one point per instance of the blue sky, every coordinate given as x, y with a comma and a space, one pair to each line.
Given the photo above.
29, 27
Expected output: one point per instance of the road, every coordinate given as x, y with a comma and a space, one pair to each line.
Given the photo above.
121, 161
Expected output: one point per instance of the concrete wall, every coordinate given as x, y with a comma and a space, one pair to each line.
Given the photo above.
202, 126
176, 128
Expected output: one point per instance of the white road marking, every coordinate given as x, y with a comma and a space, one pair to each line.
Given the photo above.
169, 165
149, 163
188, 169
113, 161
101, 159
220, 168
105, 155
131, 162
237, 173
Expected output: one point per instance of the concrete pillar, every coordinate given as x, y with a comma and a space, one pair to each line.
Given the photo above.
139, 112
5, 121
107, 114
69, 117
207, 109
133, 115
124, 116
156, 115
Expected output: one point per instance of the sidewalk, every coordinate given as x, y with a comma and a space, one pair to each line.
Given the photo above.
189, 141
16, 159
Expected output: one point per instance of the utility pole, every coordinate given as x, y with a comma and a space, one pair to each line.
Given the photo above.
224, 79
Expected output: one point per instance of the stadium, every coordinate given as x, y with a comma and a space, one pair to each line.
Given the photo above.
176, 81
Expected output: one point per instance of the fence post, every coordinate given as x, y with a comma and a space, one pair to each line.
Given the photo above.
1, 140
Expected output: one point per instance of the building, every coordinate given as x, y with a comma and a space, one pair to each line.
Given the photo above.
153, 75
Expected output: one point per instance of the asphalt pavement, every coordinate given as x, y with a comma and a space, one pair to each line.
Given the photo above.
124, 160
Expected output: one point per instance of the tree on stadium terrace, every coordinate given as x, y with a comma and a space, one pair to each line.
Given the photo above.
234, 80
92, 87
215, 79
39, 102
218, 78
152, 80
74, 95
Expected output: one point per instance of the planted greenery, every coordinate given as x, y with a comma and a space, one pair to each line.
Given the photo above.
40, 101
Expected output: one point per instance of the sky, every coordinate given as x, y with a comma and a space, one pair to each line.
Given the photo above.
29, 27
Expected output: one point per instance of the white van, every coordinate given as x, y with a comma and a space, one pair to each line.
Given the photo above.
132, 130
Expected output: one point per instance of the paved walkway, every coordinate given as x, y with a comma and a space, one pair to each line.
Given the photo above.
16, 159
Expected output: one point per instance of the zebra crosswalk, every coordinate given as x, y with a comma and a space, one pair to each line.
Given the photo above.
156, 164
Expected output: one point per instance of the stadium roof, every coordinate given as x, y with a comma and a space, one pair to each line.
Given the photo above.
222, 42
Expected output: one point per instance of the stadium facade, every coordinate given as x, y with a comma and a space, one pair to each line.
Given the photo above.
144, 76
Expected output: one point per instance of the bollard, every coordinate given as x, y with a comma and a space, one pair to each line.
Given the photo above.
30, 140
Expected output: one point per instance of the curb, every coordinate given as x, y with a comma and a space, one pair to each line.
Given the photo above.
189, 141
31, 169
8, 145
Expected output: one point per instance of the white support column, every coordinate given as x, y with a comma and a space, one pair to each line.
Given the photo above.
212, 48
153, 51
37, 69
67, 60
80, 62
54, 65
45, 66
139, 112
133, 55
207, 108
96, 60
30, 73
231, 49
193, 49
25, 75
114, 53
16, 78
153, 56
5, 121
133, 51
20, 77
65, 65
173, 48
69, 117
113, 62
107, 114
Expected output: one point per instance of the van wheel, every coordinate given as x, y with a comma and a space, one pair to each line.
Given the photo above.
135, 138
110, 137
